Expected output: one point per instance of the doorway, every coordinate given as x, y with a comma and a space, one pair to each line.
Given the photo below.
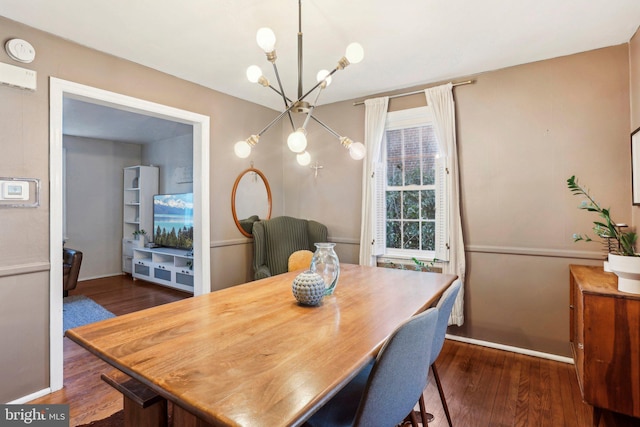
60, 89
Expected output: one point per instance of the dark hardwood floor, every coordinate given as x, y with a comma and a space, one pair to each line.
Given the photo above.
484, 387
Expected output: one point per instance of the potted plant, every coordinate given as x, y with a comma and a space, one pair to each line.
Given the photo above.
139, 234
622, 258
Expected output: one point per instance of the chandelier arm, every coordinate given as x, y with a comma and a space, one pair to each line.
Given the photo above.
278, 92
292, 103
274, 121
284, 97
317, 84
327, 128
310, 112
299, 48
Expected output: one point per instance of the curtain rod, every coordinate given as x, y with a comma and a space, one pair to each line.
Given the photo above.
468, 82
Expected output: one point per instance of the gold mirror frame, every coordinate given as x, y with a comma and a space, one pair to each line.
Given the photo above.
235, 190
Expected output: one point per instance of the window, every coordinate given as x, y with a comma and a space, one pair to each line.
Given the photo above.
412, 188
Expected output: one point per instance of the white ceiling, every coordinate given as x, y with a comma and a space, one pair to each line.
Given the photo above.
99, 122
406, 42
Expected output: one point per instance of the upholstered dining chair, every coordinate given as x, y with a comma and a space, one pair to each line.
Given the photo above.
384, 392
275, 239
444, 306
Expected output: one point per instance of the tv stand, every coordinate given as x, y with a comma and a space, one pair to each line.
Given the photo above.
165, 266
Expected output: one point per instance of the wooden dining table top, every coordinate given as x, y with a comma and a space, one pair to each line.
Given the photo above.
250, 355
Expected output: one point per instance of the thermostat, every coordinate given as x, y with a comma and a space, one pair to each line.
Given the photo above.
15, 190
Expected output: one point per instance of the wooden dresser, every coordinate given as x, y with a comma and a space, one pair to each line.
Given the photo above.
605, 340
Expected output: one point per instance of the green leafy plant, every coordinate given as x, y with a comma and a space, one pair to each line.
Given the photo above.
605, 228
418, 265
140, 232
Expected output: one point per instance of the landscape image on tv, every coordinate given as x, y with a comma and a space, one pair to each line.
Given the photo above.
173, 220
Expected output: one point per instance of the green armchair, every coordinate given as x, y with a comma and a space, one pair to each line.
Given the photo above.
274, 240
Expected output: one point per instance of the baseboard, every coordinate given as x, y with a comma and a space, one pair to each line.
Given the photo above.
30, 397
101, 276
518, 350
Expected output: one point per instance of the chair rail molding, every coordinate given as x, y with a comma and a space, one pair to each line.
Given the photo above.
542, 252
14, 270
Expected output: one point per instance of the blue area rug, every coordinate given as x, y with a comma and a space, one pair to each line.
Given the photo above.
78, 310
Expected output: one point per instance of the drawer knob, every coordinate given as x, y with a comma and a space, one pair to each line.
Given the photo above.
580, 346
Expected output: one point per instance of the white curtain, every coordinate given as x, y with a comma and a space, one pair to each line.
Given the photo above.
374, 124
440, 99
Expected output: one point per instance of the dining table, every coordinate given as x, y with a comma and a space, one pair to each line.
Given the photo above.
250, 354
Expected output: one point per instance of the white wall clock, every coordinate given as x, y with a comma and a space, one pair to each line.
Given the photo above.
20, 50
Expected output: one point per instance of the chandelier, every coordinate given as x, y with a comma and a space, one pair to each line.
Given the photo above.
297, 140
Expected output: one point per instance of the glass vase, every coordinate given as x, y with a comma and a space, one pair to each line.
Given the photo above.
325, 262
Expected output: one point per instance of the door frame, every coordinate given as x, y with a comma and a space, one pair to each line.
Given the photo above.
58, 90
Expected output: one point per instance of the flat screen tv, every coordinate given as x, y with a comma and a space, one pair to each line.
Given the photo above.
173, 220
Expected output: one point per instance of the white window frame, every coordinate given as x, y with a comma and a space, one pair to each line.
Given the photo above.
403, 119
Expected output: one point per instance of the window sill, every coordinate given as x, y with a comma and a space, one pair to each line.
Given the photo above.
407, 264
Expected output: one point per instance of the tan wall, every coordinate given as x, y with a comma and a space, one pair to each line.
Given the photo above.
94, 211
24, 144
522, 131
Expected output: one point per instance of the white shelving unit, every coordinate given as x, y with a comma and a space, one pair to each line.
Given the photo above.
140, 185
165, 266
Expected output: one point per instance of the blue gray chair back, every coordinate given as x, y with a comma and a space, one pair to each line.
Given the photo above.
444, 306
400, 373
385, 391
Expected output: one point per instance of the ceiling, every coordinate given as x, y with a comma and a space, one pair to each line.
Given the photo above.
407, 43
95, 121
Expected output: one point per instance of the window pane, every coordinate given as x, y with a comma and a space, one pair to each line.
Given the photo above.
429, 170
410, 205
411, 238
412, 156
428, 236
393, 204
428, 204
430, 151
393, 234
394, 157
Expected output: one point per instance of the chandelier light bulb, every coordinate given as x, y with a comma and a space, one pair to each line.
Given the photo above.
323, 75
355, 53
297, 141
242, 149
266, 39
254, 73
303, 159
357, 151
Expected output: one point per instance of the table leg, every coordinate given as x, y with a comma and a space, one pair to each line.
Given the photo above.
151, 416
597, 413
142, 406
184, 418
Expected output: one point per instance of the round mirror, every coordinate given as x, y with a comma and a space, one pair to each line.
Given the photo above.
250, 200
